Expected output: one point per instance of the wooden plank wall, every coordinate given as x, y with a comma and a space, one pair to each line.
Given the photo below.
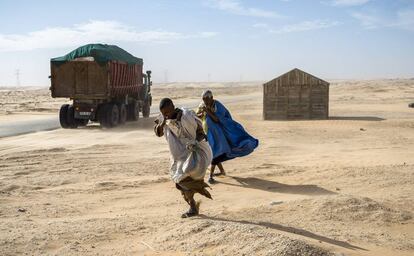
79, 79
296, 95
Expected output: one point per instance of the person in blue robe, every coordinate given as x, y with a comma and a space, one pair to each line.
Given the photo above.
226, 137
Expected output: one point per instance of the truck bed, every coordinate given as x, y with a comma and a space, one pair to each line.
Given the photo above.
87, 79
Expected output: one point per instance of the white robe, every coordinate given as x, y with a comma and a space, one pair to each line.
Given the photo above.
189, 157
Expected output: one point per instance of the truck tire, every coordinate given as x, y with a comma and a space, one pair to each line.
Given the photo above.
63, 112
122, 113
70, 118
133, 111
101, 114
112, 115
146, 109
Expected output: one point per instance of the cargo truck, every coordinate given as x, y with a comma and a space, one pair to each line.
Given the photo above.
105, 83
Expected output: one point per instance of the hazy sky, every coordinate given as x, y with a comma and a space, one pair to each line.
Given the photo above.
220, 40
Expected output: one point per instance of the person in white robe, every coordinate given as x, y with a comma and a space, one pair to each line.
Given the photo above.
190, 153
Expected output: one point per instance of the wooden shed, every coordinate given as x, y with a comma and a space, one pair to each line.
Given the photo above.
296, 95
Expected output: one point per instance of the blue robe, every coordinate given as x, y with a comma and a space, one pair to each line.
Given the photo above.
227, 138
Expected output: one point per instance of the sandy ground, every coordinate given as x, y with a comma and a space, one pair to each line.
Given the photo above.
17, 103
342, 186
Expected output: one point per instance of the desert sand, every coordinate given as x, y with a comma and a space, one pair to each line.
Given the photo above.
343, 186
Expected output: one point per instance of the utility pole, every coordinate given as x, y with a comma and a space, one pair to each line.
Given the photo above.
209, 77
17, 73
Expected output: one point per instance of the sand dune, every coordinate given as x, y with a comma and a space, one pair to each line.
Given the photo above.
342, 186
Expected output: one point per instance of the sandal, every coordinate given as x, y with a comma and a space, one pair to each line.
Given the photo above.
188, 214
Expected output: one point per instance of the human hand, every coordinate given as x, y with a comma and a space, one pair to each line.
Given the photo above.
191, 146
161, 120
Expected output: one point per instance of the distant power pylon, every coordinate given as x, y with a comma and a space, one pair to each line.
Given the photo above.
209, 77
17, 73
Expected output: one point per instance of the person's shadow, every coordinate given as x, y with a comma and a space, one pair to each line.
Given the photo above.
273, 186
287, 229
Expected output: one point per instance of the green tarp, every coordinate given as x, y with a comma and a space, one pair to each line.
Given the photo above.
102, 53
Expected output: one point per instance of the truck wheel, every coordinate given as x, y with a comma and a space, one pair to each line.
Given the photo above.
122, 113
112, 115
102, 109
146, 109
70, 117
63, 112
133, 111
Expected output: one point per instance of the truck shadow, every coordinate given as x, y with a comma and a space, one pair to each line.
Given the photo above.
273, 186
287, 229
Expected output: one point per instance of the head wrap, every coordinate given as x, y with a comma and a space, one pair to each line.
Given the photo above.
207, 94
